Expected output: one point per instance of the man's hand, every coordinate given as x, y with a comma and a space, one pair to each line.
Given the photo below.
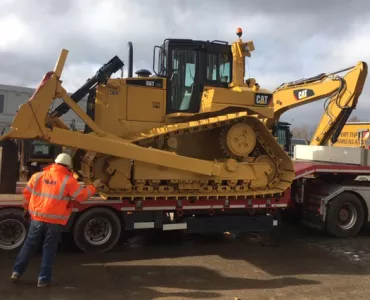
98, 184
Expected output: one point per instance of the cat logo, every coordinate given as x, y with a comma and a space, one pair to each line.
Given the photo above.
262, 99
302, 94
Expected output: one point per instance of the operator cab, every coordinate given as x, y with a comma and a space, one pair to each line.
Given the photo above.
190, 65
284, 136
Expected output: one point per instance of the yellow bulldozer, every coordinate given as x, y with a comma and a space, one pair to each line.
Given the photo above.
196, 129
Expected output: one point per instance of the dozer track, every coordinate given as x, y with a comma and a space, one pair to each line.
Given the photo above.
238, 139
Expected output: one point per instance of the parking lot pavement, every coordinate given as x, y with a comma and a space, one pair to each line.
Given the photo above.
303, 265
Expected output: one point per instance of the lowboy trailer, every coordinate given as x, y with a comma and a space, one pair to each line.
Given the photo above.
97, 224
325, 194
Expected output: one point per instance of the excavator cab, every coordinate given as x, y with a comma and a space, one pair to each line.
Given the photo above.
284, 136
34, 156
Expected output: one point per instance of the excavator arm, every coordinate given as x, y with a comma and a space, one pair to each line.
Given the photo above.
342, 95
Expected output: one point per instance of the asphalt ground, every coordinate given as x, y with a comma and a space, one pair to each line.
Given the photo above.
296, 264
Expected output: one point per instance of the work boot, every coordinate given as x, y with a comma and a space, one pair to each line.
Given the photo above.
42, 284
15, 277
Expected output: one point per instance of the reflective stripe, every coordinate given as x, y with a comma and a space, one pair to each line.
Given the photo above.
28, 188
47, 195
50, 216
75, 194
36, 181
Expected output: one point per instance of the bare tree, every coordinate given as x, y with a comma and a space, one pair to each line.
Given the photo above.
303, 132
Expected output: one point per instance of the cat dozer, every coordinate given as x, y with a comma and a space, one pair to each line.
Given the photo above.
194, 130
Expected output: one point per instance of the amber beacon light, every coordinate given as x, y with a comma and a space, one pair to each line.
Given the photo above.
239, 32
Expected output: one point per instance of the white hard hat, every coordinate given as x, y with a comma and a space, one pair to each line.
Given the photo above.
64, 159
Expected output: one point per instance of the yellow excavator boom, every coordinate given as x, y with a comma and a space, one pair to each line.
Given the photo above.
342, 95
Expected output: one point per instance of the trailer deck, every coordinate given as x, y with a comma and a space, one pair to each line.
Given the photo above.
306, 167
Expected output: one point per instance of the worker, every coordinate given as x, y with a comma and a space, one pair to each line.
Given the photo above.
47, 202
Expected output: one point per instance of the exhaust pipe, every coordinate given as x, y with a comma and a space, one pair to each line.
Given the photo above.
130, 60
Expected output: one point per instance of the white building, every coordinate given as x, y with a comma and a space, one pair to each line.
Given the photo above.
11, 97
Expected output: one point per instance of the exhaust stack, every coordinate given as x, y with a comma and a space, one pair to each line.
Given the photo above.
130, 59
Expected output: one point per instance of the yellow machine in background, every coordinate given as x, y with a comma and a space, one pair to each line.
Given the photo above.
34, 155
342, 95
194, 130
354, 134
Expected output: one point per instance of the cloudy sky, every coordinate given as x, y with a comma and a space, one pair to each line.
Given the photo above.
293, 38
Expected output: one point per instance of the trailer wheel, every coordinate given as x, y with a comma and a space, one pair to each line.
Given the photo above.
13, 229
97, 230
345, 216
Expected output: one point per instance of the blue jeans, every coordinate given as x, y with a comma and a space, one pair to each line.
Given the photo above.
37, 231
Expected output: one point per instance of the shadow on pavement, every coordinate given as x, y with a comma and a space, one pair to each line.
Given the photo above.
105, 281
289, 257
148, 266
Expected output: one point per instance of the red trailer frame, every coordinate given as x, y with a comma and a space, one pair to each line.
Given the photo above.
203, 215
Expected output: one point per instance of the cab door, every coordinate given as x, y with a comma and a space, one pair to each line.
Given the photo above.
183, 89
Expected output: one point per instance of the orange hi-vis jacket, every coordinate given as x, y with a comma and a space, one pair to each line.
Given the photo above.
48, 194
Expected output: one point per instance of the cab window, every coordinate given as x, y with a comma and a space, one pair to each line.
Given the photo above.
218, 68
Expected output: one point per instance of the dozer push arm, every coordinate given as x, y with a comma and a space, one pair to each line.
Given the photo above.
33, 121
342, 94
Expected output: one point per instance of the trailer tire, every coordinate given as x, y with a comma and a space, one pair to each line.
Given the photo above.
13, 229
345, 216
104, 220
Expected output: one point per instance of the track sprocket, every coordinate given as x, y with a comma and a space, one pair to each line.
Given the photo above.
238, 140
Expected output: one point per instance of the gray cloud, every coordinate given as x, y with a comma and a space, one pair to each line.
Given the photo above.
293, 39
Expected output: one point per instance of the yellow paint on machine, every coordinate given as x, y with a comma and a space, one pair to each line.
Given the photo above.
349, 136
